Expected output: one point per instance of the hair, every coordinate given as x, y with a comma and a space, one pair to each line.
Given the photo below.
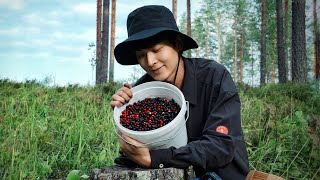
173, 38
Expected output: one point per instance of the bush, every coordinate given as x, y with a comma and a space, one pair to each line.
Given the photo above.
275, 120
46, 132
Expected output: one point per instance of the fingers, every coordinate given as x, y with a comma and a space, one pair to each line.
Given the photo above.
127, 85
134, 151
132, 142
125, 147
117, 100
122, 96
127, 143
126, 89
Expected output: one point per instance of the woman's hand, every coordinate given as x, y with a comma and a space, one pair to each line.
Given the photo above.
122, 96
139, 155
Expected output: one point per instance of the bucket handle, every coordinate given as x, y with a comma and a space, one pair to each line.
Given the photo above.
146, 144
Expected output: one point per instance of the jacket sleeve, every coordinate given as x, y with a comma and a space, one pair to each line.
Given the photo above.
215, 148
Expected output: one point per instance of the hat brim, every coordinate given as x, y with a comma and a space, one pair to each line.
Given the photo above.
125, 54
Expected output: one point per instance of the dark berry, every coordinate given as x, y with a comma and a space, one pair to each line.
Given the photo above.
149, 114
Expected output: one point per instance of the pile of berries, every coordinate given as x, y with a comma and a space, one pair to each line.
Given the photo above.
149, 114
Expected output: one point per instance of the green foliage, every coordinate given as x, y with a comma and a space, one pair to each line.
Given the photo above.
73, 175
275, 121
46, 132
65, 132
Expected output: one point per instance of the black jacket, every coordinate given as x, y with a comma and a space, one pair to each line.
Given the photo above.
215, 138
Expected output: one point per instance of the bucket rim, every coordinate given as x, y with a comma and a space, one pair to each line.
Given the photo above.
153, 84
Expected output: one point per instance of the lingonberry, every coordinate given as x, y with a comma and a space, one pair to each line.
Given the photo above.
149, 114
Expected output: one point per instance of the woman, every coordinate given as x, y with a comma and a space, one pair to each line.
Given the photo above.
215, 139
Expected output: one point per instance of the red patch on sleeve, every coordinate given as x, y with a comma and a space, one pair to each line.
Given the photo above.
222, 129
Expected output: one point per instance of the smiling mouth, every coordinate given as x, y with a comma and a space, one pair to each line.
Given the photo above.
157, 69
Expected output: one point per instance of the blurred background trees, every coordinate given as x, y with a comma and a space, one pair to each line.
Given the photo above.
259, 41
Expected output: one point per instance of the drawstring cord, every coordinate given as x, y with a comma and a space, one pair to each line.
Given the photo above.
175, 76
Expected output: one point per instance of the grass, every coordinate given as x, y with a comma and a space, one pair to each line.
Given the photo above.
47, 132
276, 121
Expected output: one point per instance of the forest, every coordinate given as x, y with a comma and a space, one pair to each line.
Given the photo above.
259, 41
271, 48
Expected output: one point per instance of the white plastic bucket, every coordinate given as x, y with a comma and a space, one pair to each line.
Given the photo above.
173, 133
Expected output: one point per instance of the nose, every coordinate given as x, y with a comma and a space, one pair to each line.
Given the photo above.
151, 60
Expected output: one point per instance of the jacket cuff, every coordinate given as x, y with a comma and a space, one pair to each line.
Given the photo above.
160, 158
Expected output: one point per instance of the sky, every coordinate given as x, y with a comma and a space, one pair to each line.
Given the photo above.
50, 38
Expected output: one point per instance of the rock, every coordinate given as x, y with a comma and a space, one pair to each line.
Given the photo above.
122, 173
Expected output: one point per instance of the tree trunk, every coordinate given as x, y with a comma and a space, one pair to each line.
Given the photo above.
105, 42
263, 44
318, 57
113, 32
286, 38
274, 70
252, 65
174, 9
282, 71
219, 39
98, 43
189, 23
197, 52
242, 55
315, 32
235, 51
122, 173
274, 61
298, 41
207, 40
290, 61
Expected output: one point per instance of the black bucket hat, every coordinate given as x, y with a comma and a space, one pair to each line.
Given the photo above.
146, 22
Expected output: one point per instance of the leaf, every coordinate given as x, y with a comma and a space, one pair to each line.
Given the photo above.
298, 114
85, 176
102, 155
73, 175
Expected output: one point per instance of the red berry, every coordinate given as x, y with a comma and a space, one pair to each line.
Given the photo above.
149, 114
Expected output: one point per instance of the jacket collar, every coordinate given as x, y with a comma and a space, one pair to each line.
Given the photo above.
189, 87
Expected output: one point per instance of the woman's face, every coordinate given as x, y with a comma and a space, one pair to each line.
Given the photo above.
159, 61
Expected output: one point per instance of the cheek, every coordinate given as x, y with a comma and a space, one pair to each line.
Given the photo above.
144, 67
142, 64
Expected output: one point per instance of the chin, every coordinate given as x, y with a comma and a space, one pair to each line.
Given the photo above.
160, 77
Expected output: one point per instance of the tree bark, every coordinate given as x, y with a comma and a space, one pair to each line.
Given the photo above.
263, 44
121, 173
174, 9
274, 62
315, 32
286, 39
252, 64
189, 22
235, 51
242, 55
274, 69
98, 43
282, 71
105, 42
318, 57
207, 40
299, 66
113, 33
219, 39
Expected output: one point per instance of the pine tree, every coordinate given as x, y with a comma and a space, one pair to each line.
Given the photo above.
98, 44
263, 43
299, 68
280, 44
113, 32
